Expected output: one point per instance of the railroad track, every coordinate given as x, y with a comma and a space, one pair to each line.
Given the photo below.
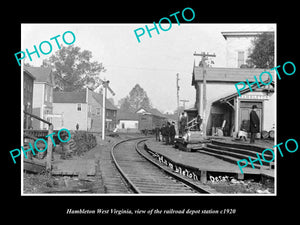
113, 181
145, 176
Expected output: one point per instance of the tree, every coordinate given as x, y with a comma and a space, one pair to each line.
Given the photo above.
125, 105
136, 99
73, 68
262, 53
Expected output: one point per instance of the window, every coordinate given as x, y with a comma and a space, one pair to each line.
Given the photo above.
98, 111
78, 107
241, 56
123, 125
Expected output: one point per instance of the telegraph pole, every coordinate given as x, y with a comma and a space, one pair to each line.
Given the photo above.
204, 58
104, 92
177, 88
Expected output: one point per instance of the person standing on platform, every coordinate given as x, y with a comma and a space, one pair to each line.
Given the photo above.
172, 133
183, 123
180, 126
157, 130
199, 121
163, 132
254, 124
167, 130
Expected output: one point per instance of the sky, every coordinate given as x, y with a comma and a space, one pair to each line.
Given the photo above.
153, 63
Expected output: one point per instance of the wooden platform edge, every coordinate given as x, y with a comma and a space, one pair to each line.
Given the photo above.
34, 166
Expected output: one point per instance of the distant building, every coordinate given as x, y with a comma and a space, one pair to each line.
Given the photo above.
42, 95
127, 121
83, 108
237, 46
28, 82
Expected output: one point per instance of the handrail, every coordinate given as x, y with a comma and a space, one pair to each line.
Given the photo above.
38, 118
192, 126
194, 123
192, 120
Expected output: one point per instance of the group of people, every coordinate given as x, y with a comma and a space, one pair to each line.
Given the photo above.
166, 133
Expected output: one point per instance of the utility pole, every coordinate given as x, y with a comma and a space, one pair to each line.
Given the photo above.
104, 92
184, 101
204, 58
104, 85
177, 88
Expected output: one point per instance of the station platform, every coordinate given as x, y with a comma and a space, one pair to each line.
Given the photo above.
203, 162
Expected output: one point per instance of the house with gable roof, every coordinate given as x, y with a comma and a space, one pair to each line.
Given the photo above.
83, 108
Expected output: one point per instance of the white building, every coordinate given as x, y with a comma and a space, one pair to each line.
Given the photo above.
127, 121
83, 108
237, 46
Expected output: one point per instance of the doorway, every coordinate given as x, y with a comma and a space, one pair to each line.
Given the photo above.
244, 115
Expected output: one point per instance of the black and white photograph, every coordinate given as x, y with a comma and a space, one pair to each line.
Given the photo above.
148, 109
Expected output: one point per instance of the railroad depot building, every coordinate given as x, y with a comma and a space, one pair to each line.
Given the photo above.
83, 108
225, 108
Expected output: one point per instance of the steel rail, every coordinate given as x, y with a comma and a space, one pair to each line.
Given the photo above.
175, 176
129, 182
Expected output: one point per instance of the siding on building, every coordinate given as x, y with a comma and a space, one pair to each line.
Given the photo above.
90, 116
71, 116
237, 46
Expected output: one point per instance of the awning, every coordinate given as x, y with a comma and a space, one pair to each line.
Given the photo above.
190, 110
228, 98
